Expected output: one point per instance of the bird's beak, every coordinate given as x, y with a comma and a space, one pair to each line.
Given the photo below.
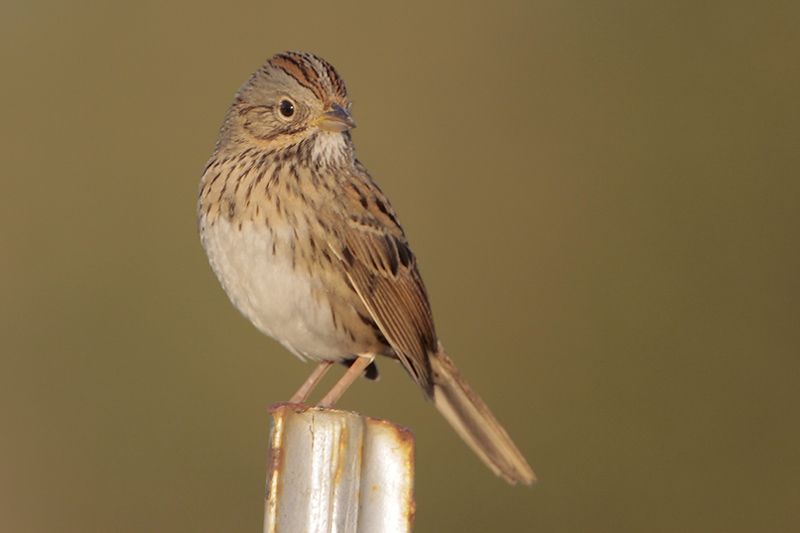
337, 119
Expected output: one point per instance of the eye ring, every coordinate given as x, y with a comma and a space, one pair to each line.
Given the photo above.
286, 108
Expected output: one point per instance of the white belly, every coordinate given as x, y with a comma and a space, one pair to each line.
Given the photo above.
276, 297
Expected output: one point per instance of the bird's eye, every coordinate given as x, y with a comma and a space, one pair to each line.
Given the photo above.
286, 108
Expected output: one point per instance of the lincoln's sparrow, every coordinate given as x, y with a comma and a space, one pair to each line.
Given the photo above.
310, 250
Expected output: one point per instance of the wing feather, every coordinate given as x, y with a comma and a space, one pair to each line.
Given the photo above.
377, 260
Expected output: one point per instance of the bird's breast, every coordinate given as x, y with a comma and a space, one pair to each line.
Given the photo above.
261, 230
306, 307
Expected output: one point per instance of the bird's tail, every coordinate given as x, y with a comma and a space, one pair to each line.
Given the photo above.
473, 421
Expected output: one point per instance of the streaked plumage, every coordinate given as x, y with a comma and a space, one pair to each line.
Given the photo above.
310, 250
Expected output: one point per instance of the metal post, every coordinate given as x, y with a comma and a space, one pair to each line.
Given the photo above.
337, 471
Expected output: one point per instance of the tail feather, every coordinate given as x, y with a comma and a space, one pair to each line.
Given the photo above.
473, 421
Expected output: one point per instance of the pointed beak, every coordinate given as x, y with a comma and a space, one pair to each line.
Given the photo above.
337, 119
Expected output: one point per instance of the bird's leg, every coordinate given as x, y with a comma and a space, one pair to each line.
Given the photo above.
355, 370
312, 381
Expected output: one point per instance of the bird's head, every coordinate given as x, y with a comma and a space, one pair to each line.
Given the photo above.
293, 97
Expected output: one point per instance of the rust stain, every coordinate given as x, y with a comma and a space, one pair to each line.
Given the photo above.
341, 452
407, 438
403, 432
276, 458
411, 512
297, 408
361, 444
275, 464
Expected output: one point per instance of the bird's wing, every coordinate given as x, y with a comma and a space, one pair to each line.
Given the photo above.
374, 253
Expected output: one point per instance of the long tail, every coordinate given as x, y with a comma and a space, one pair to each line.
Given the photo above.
473, 421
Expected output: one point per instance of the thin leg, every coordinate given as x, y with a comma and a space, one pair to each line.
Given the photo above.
312, 381
355, 370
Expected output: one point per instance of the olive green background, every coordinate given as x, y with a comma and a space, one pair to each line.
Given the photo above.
604, 198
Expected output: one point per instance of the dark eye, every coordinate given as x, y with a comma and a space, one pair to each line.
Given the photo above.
286, 108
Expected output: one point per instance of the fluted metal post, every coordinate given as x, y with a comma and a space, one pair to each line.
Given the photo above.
338, 471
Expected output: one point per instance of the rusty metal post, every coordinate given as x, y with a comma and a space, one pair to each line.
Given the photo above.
338, 471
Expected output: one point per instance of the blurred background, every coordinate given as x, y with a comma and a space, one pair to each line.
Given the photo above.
604, 198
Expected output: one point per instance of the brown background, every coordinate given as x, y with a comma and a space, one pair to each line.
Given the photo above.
604, 198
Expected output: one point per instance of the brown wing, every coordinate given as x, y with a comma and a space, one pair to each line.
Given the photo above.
382, 269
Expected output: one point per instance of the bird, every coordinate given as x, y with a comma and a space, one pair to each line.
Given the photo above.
309, 249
